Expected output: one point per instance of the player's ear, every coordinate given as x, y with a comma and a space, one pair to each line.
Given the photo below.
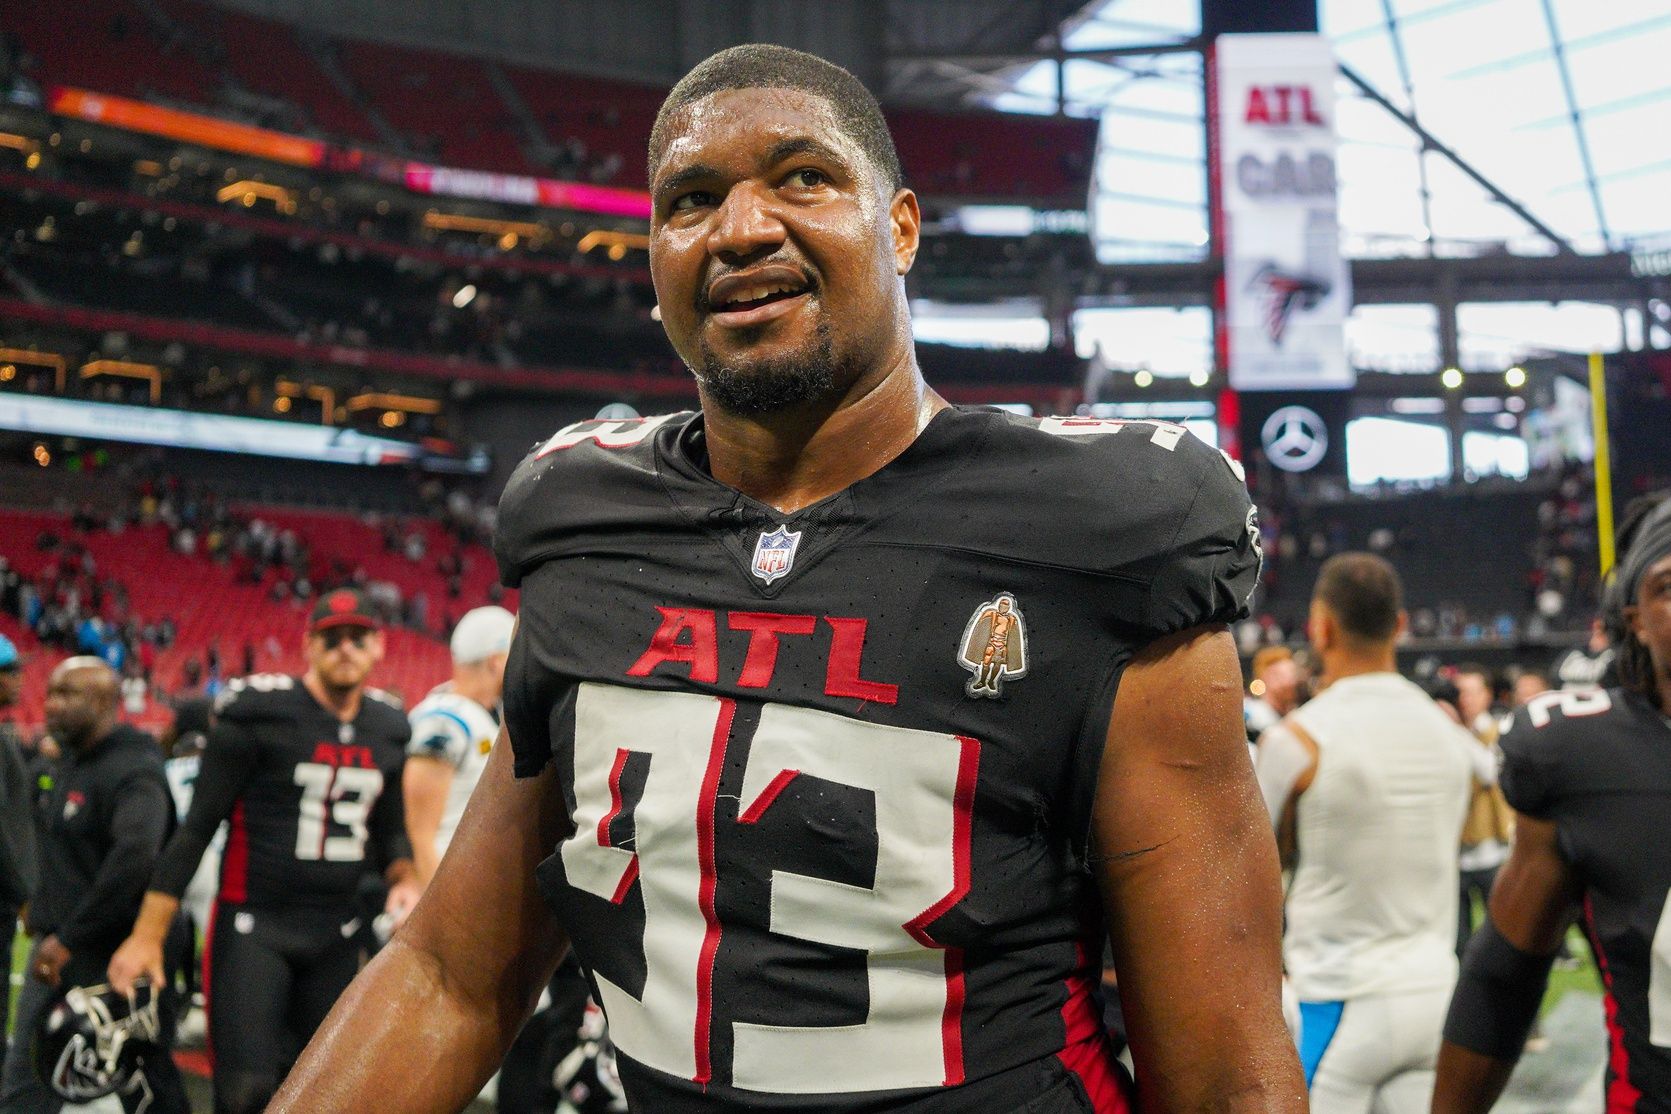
906, 220
1633, 620
1403, 625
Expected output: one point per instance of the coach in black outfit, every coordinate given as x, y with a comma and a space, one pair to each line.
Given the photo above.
306, 772
103, 814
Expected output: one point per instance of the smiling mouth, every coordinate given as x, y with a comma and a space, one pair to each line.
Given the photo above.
764, 294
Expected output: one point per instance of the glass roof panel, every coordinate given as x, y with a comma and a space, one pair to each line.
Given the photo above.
1487, 83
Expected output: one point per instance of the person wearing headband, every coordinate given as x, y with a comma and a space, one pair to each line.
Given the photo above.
1589, 775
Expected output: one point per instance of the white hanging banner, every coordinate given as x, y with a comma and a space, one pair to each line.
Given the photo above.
1287, 289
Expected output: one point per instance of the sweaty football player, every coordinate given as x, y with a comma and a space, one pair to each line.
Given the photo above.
306, 771
1589, 775
804, 867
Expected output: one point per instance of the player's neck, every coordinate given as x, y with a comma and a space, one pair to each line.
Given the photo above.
473, 687
342, 703
792, 459
1338, 664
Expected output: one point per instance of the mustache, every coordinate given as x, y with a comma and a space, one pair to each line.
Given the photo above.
705, 306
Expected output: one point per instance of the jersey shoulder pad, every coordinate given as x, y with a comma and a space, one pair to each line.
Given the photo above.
1549, 744
386, 715
579, 477
1145, 503
258, 696
383, 696
440, 728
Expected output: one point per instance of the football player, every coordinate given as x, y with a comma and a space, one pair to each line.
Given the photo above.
807, 864
453, 729
306, 770
1589, 775
1368, 784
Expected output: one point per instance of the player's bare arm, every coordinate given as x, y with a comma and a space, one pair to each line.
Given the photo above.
425, 784
1189, 880
1532, 904
425, 1024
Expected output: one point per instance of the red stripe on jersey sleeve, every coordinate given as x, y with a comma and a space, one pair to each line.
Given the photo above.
1086, 1050
1622, 1094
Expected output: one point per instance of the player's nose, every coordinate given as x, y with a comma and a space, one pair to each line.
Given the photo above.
746, 225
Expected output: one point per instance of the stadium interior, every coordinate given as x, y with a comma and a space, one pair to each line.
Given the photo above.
287, 289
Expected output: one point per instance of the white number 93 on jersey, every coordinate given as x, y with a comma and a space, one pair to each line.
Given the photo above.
923, 785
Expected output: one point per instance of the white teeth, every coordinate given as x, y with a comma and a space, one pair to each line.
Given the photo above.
755, 293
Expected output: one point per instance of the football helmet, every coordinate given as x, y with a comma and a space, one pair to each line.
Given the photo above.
89, 1043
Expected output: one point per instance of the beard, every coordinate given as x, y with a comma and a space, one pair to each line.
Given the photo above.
770, 386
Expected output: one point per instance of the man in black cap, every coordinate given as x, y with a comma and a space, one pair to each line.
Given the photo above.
307, 772
103, 813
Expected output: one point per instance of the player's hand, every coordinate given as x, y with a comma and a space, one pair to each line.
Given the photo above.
50, 958
403, 895
138, 957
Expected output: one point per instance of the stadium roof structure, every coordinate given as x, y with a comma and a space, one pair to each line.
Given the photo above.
1468, 127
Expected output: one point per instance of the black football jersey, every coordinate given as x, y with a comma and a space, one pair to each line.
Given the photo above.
1597, 764
830, 773
312, 802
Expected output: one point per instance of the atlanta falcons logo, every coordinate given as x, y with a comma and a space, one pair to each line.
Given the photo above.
1281, 294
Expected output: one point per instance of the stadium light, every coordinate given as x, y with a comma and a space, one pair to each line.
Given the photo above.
1515, 377
1452, 378
1143, 378
1198, 378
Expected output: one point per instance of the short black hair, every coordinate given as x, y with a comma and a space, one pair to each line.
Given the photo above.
1364, 593
768, 66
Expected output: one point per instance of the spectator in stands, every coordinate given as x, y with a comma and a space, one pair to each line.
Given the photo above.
1274, 690
1589, 666
1489, 828
1527, 684
103, 816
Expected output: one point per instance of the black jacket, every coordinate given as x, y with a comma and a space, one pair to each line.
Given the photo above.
19, 869
102, 817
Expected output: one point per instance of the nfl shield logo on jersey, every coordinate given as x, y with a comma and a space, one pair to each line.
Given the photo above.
774, 553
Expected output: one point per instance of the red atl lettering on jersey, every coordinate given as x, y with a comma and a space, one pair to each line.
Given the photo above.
338, 754
690, 636
1281, 105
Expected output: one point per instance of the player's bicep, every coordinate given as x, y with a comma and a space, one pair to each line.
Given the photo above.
1187, 865
482, 920
425, 783
1537, 892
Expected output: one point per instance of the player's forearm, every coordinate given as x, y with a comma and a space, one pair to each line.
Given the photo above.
370, 1054
1468, 1082
1224, 991
156, 914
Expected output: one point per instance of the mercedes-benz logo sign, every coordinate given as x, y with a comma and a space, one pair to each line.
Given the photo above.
1296, 439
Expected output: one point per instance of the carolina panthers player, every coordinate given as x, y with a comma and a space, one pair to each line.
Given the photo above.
453, 729
1589, 775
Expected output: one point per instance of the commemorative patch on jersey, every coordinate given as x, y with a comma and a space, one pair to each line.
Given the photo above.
994, 646
774, 553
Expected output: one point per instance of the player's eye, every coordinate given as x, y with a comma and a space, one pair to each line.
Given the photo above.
696, 199
807, 178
